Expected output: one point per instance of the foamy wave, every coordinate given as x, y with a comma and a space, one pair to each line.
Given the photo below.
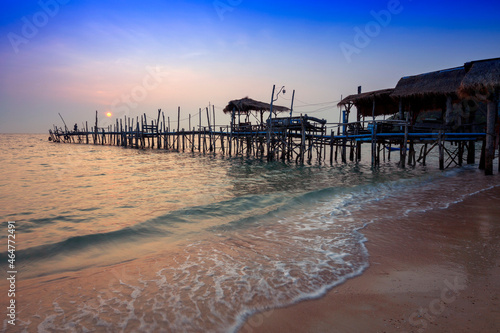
295, 250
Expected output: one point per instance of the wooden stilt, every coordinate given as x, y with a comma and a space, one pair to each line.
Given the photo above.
490, 136
441, 150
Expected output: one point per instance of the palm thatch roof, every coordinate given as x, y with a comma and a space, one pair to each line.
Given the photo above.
246, 105
384, 104
365, 97
482, 78
440, 83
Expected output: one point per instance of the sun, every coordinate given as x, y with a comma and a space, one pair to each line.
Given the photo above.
109, 114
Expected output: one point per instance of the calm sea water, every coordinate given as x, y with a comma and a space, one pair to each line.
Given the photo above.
112, 239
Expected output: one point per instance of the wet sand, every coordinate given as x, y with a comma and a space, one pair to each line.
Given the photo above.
437, 271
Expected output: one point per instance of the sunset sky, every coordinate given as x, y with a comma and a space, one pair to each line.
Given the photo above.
130, 57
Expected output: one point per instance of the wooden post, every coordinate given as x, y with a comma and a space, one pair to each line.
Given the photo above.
130, 128
169, 129
213, 123
231, 133
183, 139
460, 153
199, 132
204, 140
165, 142
192, 140
441, 150
331, 147
374, 143
374, 135
303, 139
424, 158
137, 132
482, 160
121, 133
209, 130
411, 155
222, 140
471, 152
178, 127
95, 128
124, 132
490, 136
153, 134
405, 142
141, 133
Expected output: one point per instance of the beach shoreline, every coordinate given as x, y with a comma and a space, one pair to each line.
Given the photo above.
431, 271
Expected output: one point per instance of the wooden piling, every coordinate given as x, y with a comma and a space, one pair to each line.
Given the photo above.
441, 150
490, 136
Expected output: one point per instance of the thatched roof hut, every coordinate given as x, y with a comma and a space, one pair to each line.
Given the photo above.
482, 79
246, 105
441, 83
384, 104
430, 91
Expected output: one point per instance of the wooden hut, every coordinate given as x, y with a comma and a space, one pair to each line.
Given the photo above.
432, 98
371, 104
245, 107
482, 83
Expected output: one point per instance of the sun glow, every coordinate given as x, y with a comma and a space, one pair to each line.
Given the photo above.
109, 114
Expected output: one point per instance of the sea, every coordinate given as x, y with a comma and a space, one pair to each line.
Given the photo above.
113, 239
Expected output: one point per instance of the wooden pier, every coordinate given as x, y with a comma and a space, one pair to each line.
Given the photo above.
301, 139
445, 113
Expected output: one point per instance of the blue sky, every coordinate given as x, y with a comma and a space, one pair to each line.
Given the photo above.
130, 57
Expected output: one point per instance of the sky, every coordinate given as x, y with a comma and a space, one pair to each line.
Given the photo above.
133, 57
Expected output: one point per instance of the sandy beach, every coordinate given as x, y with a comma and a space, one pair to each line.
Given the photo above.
436, 271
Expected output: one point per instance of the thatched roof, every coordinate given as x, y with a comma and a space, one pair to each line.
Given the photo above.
366, 97
384, 104
482, 78
440, 83
246, 105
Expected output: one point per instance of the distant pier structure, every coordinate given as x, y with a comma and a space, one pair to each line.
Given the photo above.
446, 112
